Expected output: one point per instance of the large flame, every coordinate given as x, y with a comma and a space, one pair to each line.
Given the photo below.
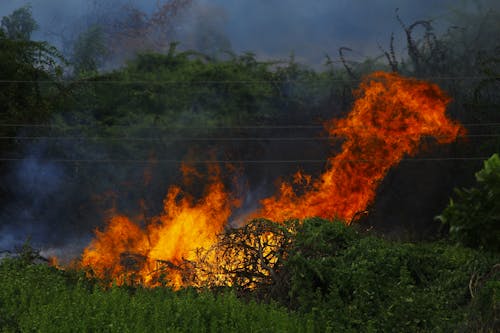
390, 117
124, 250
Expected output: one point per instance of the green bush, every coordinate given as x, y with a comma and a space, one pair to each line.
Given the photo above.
474, 215
361, 283
485, 307
43, 299
338, 279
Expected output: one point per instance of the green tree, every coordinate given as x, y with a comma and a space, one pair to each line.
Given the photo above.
28, 70
20, 24
89, 51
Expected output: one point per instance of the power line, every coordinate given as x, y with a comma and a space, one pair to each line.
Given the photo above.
297, 161
326, 80
228, 139
290, 126
167, 126
165, 138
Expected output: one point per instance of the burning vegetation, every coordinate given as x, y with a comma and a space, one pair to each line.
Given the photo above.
97, 131
187, 244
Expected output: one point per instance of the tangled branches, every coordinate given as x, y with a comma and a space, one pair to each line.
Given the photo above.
244, 258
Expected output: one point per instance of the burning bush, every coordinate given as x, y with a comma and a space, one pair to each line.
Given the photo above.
390, 117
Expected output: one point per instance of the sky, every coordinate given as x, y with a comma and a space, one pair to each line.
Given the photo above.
275, 28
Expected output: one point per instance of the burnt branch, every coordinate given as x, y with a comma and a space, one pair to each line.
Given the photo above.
391, 55
344, 62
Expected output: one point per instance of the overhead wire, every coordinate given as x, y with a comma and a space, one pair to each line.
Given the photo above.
223, 139
326, 80
264, 161
208, 127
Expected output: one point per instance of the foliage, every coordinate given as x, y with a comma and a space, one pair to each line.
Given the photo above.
194, 91
20, 24
28, 255
137, 31
316, 245
362, 283
356, 282
250, 260
89, 51
26, 94
42, 298
336, 278
176, 102
474, 215
484, 309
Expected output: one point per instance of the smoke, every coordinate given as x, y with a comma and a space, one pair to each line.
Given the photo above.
59, 205
204, 29
270, 28
33, 185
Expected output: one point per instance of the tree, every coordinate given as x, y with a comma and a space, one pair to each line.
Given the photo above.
23, 65
89, 51
20, 24
142, 32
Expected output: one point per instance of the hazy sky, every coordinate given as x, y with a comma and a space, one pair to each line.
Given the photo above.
275, 28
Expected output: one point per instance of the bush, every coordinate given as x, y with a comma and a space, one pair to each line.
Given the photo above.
474, 215
361, 283
336, 279
40, 298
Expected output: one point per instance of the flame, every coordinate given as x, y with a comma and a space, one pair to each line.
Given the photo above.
125, 252
389, 119
104, 254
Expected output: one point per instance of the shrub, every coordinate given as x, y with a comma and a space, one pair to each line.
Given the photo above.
40, 298
361, 283
474, 215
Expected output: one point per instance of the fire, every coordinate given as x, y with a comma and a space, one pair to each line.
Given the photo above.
125, 252
104, 254
390, 117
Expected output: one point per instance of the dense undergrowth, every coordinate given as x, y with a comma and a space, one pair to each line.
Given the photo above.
40, 298
335, 278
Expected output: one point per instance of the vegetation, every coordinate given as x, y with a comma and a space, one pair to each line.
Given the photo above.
20, 24
323, 275
364, 283
44, 299
474, 216
333, 278
24, 66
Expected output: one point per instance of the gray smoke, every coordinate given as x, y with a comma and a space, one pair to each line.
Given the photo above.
35, 186
270, 28
52, 203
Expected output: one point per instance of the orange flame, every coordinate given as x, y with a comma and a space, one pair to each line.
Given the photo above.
125, 250
390, 117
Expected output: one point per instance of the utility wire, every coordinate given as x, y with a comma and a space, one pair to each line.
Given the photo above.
39, 125
167, 126
228, 139
326, 80
164, 161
